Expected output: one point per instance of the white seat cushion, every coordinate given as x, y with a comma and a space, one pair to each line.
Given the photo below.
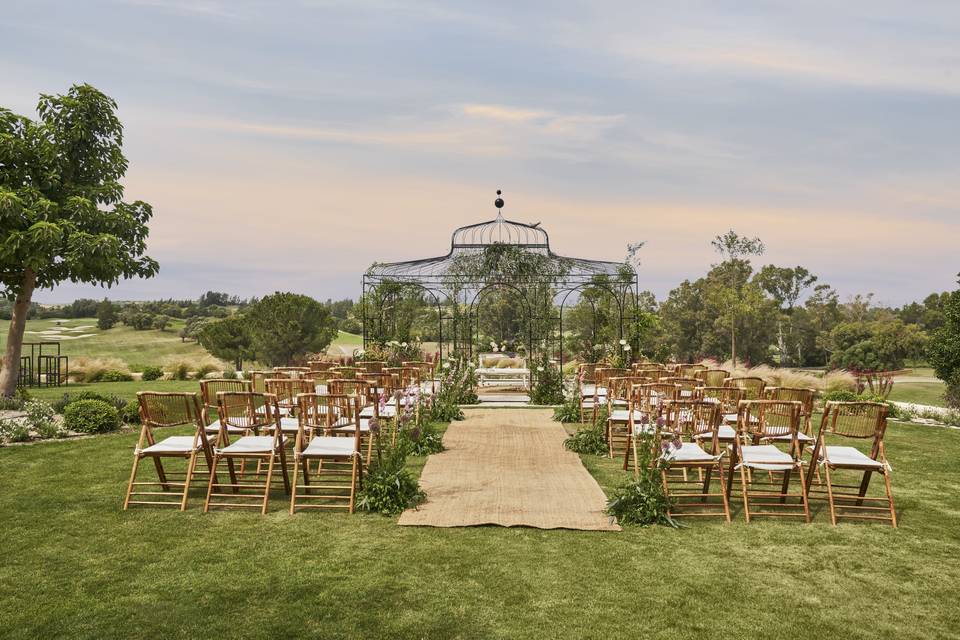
801, 437
289, 425
351, 427
766, 456
214, 427
639, 428
250, 444
330, 446
850, 457
587, 390
689, 452
173, 444
623, 415
388, 411
725, 432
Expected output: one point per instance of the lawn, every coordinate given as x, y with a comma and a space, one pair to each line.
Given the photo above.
918, 392
76, 566
137, 348
126, 390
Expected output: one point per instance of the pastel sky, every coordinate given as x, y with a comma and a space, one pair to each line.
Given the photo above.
287, 145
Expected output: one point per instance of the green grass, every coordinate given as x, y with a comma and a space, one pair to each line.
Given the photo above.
126, 390
918, 392
345, 339
137, 348
74, 565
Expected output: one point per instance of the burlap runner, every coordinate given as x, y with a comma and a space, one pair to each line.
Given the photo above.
509, 467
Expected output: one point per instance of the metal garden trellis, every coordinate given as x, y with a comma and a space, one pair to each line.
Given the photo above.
499, 254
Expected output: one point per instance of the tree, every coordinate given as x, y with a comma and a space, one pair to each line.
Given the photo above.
228, 339
62, 214
785, 285
944, 349
106, 315
732, 247
284, 326
161, 322
192, 328
874, 346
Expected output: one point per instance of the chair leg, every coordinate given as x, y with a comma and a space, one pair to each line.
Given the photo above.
133, 476
784, 486
353, 483
186, 481
293, 489
233, 472
864, 485
212, 482
283, 469
266, 485
893, 512
723, 491
746, 493
803, 495
161, 474
833, 510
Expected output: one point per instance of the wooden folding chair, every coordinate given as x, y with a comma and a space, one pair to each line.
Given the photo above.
586, 387
286, 391
426, 369
760, 424
338, 472
728, 399
258, 380
618, 413
712, 377
690, 370
688, 386
806, 398
360, 389
321, 365
290, 372
259, 414
372, 366
682, 427
347, 372
646, 401
208, 394
865, 421
159, 411
752, 387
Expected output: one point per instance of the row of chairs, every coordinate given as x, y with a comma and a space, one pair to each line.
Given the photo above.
327, 428
704, 423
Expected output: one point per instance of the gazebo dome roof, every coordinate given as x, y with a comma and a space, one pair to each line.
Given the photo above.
500, 231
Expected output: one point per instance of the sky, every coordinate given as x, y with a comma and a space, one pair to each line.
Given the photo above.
288, 145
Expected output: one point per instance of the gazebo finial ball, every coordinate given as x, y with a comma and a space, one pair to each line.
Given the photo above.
498, 203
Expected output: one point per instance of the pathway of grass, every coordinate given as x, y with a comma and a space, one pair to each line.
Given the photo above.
930, 393
76, 566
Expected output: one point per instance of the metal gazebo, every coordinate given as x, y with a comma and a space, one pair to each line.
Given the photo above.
500, 254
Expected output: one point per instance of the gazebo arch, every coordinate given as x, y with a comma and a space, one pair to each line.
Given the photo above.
504, 254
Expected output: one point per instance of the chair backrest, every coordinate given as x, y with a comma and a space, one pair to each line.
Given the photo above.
689, 418
321, 412
805, 397
690, 370
321, 365
855, 420
160, 410
648, 397
602, 375
619, 388
287, 389
349, 387
712, 377
290, 372
372, 366
654, 373
752, 387
586, 371
257, 412
766, 419
687, 385
210, 388
405, 376
257, 379
426, 368
727, 397
346, 372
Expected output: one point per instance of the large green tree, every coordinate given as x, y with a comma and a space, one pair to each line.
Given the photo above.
785, 285
228, 338
284, 326
62, 213
735, 301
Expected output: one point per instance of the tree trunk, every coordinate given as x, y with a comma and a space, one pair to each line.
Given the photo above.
18, 322
733, 344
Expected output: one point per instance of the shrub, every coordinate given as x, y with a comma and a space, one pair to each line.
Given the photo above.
642, 500
93, 369
14, 431
590, 439
840, 396
389, 487
204, 370
40, 418
569, 411
11, 404
180, 372
152, 373
421, 441
91, 416
548, 384
230, 374
130, 413
111, 375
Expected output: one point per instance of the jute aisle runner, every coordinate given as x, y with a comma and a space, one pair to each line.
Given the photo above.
509, 467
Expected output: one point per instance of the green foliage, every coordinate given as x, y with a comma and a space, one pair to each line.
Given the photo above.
115, 401
881, 345
181, 371
109, 375
389, 487
590, 439
839, 395
393, 352
547, 383
285, 326
424, 440
944, 349
642, 500
14, 431
230, 374
152, 373
204, 370
229, 339
106, 315
569, 411
457, 387
130, 413
91, 416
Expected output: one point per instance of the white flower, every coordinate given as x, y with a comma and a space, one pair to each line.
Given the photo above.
446, 365
626, 347
493, 344
403, 344
540, 369
623, 341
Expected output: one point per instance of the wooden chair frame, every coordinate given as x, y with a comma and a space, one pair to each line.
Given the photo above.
752, 386
859, 421
617, 429
208, 396
712, 377
645, 400
159, 411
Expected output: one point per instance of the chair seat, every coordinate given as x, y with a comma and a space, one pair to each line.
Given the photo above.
619, 402
801, 437
289, 425
351, 426
173, 444
767, 457
850, 457
388, 411
250, 444
642, 429
689, 452
623, 415
330, 446
214, 427
725, 432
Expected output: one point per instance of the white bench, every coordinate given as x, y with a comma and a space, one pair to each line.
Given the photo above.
492, 370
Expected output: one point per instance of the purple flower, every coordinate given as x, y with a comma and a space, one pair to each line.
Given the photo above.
661, 421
